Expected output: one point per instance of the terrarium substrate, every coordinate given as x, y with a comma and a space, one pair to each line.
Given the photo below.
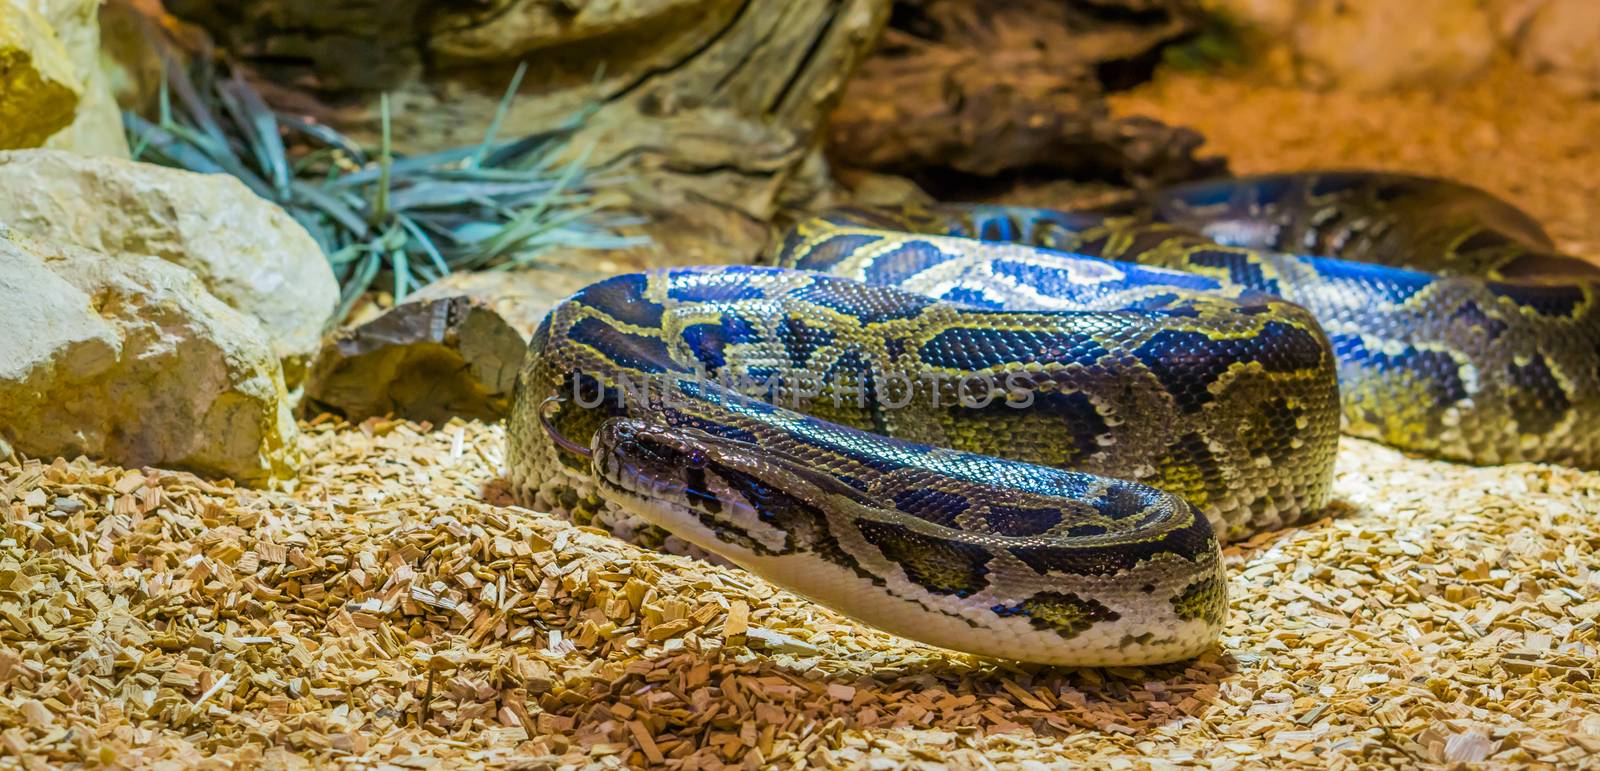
385, 613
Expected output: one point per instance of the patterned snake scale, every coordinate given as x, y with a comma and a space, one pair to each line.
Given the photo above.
1022, 433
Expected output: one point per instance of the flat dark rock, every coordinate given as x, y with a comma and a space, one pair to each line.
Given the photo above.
431, 359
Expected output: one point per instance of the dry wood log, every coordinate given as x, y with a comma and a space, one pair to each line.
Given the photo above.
711, 110
963, 88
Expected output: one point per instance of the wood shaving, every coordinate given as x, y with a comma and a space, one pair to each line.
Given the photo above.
396, 610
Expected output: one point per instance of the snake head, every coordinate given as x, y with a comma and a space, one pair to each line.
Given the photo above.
1153, 593
649, 459
724, 495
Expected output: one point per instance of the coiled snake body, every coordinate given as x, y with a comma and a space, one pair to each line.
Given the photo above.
1021, 432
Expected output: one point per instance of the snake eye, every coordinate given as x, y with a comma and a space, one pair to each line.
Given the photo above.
696, 459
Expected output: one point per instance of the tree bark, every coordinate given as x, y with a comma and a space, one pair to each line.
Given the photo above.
709, 112
971, 88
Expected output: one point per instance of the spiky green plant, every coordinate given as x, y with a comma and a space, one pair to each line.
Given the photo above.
1222, 41
493, 205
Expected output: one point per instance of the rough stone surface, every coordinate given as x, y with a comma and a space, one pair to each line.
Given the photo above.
967, 88
451, 349
38, 89
1375, 45
96, 129
249, 252
130, 359
421, 360
1562, 39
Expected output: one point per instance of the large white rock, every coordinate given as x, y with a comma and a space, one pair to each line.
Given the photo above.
39, 92
131, 360
96, 129
249, 252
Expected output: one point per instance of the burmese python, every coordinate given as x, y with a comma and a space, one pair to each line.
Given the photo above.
749, 410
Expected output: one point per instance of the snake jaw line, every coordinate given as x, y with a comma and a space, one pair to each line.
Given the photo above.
548, 406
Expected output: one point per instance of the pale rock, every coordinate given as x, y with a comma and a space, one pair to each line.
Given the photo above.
38, 90
131, 360
97, 127
249, 252
1562, 40
1378, 45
